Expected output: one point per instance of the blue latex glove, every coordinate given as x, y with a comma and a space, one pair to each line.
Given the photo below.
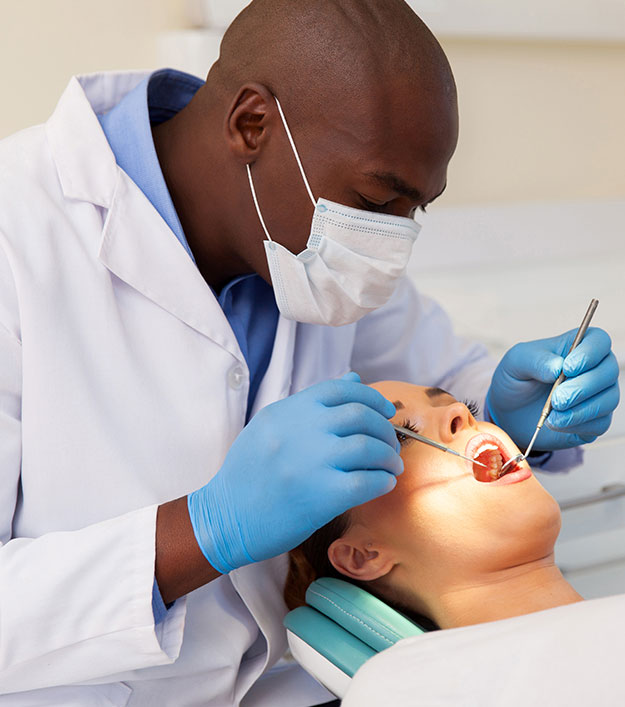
582, 404
299, 463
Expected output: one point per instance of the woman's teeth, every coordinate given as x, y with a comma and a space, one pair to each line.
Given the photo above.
490, 455
494, 464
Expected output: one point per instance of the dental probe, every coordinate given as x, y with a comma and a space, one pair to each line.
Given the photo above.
431, 442
547, 408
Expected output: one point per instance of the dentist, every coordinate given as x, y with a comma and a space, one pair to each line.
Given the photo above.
189, 272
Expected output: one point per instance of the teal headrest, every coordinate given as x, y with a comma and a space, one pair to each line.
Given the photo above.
346, 624
363, 615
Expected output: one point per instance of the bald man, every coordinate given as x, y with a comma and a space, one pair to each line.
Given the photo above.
190, 274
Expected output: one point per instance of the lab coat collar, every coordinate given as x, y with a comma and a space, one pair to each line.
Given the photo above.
137, 245
85, 163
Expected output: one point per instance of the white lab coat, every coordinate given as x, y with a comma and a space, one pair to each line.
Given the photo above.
122, 386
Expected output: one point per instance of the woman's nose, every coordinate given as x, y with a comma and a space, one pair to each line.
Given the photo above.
454, 419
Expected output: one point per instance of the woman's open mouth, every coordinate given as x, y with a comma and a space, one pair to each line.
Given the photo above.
489, 450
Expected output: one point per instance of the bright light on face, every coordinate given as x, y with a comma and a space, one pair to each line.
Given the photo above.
445, 523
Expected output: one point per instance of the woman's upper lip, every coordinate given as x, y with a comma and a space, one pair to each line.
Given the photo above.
483, 437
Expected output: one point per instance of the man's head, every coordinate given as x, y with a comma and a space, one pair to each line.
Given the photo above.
370, 100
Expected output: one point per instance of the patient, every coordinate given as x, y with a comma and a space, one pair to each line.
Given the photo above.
452, 542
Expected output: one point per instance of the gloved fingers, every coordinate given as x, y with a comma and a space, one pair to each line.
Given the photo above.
532, 361
340, 392
357, 487
591, 428
589, 431
566, 441
358, 452
356, 418
599, 406
576, 390
591, 350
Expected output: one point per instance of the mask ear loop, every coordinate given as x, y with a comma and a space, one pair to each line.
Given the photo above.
255, 198
295, 152
299, 164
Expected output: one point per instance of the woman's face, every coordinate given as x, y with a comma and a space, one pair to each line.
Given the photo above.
442, 527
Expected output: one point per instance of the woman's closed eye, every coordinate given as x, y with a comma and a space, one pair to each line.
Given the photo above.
404, 439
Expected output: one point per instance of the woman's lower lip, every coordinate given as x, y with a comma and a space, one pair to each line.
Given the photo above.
513, 477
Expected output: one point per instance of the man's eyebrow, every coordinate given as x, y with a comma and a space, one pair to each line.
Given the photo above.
399, 186
398, 405
435, 392
392, 181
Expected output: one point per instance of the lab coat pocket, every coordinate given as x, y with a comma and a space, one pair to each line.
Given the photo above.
111, 695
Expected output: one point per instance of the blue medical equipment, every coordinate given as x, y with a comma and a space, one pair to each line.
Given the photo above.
341, 627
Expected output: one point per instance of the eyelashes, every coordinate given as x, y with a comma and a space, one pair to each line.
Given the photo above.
404, 439
472, 407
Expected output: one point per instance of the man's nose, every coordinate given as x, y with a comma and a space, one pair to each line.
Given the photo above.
454, 419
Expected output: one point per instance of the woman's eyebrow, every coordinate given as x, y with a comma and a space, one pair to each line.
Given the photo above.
398, 405
435, 392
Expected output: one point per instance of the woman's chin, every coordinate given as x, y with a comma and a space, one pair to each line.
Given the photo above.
531, 524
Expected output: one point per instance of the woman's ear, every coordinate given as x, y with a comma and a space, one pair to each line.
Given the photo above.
247, 120
358, 558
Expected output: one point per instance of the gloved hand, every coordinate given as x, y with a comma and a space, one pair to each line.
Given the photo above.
299, 463
582, 404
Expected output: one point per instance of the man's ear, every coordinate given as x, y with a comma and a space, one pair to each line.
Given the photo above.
360, 559
247, 121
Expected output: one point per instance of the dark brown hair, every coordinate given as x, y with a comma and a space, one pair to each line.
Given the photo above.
309, 561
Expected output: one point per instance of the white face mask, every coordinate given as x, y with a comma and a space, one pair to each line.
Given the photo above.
351, 264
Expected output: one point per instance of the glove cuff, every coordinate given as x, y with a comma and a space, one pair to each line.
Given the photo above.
210, 526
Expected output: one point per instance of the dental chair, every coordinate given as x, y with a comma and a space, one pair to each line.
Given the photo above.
340, 628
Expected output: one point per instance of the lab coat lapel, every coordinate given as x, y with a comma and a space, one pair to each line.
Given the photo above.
84, 161
136, 245
140, 248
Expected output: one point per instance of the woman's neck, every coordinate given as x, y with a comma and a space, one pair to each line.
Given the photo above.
512, 592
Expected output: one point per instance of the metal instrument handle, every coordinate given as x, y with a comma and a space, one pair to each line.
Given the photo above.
583, 327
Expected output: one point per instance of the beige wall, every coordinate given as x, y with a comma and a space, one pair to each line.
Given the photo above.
44, 42
539, 120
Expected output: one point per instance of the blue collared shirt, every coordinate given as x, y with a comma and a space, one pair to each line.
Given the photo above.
248, 301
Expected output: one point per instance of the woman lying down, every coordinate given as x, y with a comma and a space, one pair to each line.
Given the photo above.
452, 542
